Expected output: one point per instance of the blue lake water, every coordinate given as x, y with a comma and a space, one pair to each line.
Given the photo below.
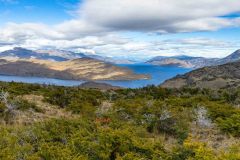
158, 75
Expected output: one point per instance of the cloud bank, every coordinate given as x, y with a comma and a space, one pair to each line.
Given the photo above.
164, 16
98, 26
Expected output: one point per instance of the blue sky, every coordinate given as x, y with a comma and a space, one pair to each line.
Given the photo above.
136, 29
43, 11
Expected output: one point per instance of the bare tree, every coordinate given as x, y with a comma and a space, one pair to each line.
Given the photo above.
10, 108
4, 98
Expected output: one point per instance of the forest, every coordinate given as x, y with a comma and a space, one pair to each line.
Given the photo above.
44, 122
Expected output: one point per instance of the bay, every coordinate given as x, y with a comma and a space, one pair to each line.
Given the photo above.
158, 75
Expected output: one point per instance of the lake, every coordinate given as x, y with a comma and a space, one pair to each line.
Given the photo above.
158, 74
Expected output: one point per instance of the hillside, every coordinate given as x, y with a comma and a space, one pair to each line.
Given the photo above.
49, 122
235, 56
77, 69
221, 76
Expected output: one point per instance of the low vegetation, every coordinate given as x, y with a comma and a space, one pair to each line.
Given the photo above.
146, 123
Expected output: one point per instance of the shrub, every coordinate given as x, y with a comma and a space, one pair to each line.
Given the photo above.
83, 108
2, 107
24, 105
230, 124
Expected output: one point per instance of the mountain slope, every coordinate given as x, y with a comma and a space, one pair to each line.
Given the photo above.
77, 69
215, 77
235, 56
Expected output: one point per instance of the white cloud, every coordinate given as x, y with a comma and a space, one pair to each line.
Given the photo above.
204, 24
99, 17
202, 41
87, 42
19, 33
78, 28
159, 15
100, 24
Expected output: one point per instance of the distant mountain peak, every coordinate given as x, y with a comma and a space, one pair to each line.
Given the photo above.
20, 49
23, 53
234, 55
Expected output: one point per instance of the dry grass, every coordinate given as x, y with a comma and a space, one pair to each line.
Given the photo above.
49, 112
212, 137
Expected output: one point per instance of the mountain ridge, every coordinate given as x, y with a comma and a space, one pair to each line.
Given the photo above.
183, 61
193, 62
56, 55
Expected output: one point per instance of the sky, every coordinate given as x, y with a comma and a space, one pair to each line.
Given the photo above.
126, 29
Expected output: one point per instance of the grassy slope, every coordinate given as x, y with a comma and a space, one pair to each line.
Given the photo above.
50, 122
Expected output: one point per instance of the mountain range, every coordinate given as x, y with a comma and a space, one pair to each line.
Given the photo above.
55, 55
193, 62
63, 55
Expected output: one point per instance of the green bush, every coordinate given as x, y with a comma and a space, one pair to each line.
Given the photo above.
2, 107
83, 108
230, 124
24, 105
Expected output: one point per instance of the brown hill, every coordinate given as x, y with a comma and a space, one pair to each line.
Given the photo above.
77, 69
96, 85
